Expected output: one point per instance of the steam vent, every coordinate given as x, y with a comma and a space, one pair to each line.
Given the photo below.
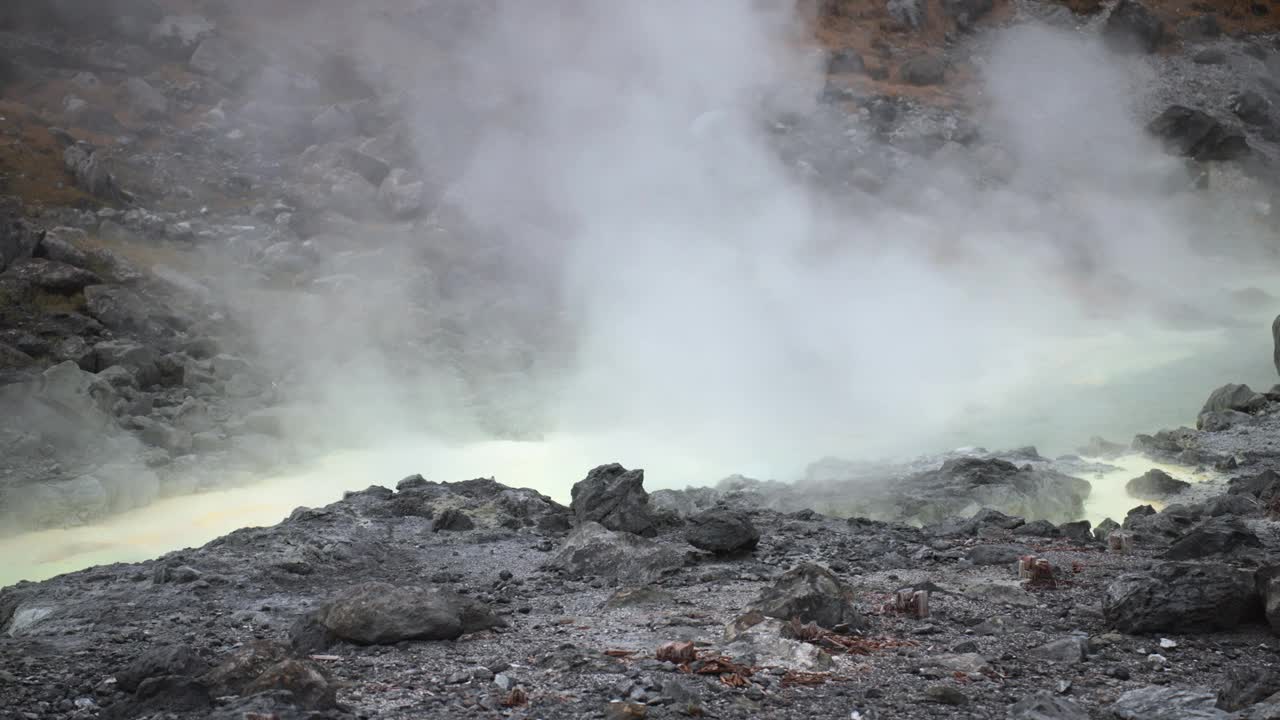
640, 359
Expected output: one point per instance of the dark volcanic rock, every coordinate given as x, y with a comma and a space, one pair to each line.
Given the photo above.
381, 614
18, 241
722, 531
452, 519
1167, 703
1216, 536
1220, 420
963, 485
1044, 706
1181, 597
1265, 486
1132, 28
157, 662
923, 70
1196, 134
614, 497
998, 554
1240, 398
1244, 686
810, 593
1155, 485
845, 61
592, 549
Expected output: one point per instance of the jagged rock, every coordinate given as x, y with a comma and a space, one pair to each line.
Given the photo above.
1064, 650
178, 36
1181, 597
1196, 134
1244, 686
765, 644
91, 173
218, 59
61, 244
160, 661
722, 531
402, 195
1167, 703
1220, 420
1155, 484
1104, 528
1216, 536
1251, 107
452, 519
1132, 28
1240, 398
119, 308
1038, 528
1265, 486
614, 497
1267, 583
52, 276
149, 102
908, 13
592, 549
377, 613
845, 61
810, 593
923, 70
18, 241
1237, 505
967, 12
998, 554
1044, 706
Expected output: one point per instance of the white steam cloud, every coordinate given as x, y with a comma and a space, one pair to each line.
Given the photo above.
720, 307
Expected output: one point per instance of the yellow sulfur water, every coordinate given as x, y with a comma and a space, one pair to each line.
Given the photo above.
550, 466
1108, 497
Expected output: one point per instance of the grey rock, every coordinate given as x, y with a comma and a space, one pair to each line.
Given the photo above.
1267, 583
845, 61
1209, 56
764, 644
923, 70
908, 13
1220, 420
178, 36
160, 661
138, 358
592, 549
810, 593
722, 531
1240, 398
1155, 484
1216, 536
1045, 706
1201, 27
119, 308
218, 59
402, 195
52, 276
91, 173
336, 122
62, 244
614, 497
1251, 107
18, 241
1132, 28
1168, 703
1244, 686
1238, 505
1072, 649
452, 519
381, 614
1198, 135
967, 12
148, 101
1180, 596
998, 554
945, 695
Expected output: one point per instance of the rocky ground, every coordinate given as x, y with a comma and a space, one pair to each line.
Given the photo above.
168, 166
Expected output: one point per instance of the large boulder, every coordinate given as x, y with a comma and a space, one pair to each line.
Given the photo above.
592, 549
1198, 135
18, 241
963, 486
810, 593
377, 613
1132, 28
1155, 484
1181, 597
722, 531
1215, 536
90, 171
52, 276
1162, 702
614, 497
1243, 686
1240, 398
